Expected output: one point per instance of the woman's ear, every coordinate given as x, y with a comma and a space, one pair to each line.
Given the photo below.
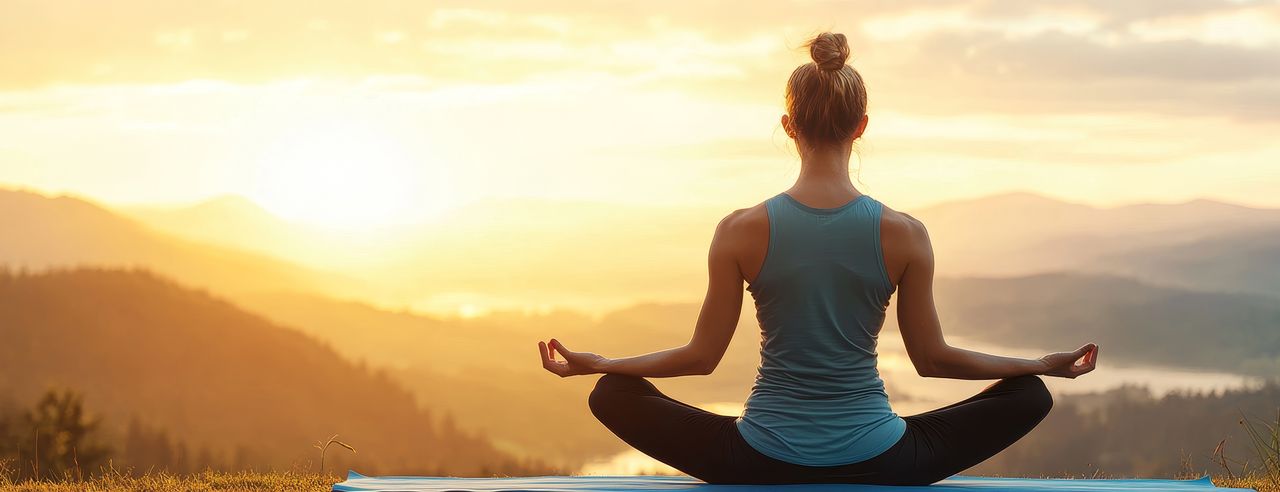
862, 127
786, 125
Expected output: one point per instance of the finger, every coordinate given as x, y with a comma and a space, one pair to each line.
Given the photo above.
549, 359
561, 348
1089, 356
551, 353
1088, 366
547, 363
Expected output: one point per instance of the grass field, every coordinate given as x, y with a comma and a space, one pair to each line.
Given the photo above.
251, 481
163, 482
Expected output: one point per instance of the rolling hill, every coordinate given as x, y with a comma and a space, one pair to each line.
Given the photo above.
217, 377
42, 232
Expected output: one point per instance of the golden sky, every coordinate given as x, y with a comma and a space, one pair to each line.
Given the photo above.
359, 113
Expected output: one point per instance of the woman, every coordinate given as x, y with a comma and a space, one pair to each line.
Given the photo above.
821, 261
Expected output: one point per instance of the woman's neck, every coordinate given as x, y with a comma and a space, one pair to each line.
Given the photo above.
825, 170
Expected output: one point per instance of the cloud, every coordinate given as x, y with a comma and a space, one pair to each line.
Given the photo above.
1178, 57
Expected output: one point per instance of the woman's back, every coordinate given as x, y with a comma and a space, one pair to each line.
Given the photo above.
821, 261
821, 292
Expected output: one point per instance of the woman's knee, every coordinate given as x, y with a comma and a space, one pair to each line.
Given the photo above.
1033, 392
609, 388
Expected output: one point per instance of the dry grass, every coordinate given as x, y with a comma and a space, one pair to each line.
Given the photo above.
291, 481
164, 482
1257, 482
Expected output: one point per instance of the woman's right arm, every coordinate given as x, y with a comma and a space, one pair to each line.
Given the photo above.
922, 332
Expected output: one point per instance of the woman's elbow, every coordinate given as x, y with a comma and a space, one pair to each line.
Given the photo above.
927, 367
931, 362
704, 363
704, 367
702, 360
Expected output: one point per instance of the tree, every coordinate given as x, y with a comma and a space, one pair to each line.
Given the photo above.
56, 438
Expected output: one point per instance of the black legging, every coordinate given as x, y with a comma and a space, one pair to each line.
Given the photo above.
937, 444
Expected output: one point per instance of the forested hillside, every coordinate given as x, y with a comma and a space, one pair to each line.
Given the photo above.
219, 381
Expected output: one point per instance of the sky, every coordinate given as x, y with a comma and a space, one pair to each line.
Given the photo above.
349, 114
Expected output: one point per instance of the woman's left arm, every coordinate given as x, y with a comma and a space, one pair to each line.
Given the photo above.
716, 323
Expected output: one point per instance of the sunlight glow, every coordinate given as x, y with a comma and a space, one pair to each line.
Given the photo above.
344, 175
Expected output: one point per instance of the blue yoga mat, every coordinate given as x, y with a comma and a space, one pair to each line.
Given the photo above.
358, 482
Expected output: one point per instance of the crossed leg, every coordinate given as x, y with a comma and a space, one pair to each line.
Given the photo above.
937, 443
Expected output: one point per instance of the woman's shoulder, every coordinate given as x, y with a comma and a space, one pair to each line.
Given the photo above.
748, 219
902, 230
743, 226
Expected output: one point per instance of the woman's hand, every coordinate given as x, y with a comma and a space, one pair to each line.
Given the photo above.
574, 364
1064, 364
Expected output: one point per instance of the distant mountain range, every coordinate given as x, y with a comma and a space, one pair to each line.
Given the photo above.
41, 232
235, 222
1244, 261
1190, 285
604, 254
1022, 233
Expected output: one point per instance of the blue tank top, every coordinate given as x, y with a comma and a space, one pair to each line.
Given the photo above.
821, 297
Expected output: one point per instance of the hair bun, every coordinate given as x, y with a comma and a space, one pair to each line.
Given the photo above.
829, 51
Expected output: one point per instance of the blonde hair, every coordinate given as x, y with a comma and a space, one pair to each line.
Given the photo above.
826, 98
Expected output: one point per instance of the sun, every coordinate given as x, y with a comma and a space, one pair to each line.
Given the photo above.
346, 176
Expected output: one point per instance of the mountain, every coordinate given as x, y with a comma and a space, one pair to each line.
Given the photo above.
1023, 233
233, 221
1135, 323
42, 232
230, 221
216, 377
1246, 261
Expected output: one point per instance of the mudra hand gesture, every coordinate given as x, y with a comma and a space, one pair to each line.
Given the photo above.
574, 363
1071, 364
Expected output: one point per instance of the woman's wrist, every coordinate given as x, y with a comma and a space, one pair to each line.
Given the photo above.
603, 365
1038, 367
